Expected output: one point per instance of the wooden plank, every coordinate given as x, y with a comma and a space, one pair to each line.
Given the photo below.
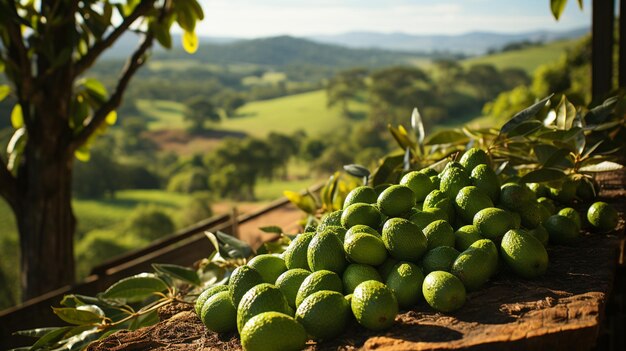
622, 44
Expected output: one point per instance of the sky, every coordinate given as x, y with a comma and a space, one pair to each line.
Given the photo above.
261, 18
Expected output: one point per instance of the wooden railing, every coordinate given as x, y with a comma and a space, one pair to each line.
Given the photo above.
184, 247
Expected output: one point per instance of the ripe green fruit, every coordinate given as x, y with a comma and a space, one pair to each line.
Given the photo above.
404, 240
474, 157
326, 252
356, 274
405, 280
539, 189
530, 216
429, 171
243, 279
562, 230
423, 218
205, 296
365, 248
419, 182
374, 305
261, 298
338, 231
387, 266
289, 283
360, 213
548, 204
439, 259
396, 200
469, 201
330, 219
587, 189
465, 236
317, 281
602, 216
477, 264
571, 214
360, 228
493, 222
439, 200
272, 331
324, 314
295, 254
439, 233
361, 194
219, 314
514, 196
443, 291
453, 180
485, 179
269, 267
524, 253
565, 192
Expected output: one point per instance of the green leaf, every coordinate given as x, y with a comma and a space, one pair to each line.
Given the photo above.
605, 166
36, 333
190, 42
111, 118
272, 229
185, 274
4, 91
542, 175
446, 136
95, 89
17, 117
525, 128
557, 7
525, 115
136, 288
83, 153
304, 202
77, 316
544, 152
231, 243
580, 4
51, 338
161, 34
388, 169
216, 244
401, 136
357, 170
592, 149
418, 126
559, 157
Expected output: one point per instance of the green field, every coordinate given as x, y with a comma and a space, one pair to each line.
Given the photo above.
527, 59
306, 111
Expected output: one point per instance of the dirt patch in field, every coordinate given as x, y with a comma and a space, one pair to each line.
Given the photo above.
181, 142
563, 309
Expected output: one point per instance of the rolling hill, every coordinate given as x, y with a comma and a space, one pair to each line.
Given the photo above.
286, 50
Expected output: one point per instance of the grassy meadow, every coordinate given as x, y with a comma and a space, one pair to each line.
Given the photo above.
527, 59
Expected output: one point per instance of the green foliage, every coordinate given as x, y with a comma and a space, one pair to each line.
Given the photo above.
189, 181
197, 208
99, 245
199, 111
149, 223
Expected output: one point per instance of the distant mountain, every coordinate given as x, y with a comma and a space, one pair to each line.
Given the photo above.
473, 43
286, 50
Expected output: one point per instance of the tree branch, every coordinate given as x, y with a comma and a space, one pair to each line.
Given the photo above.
17, 51
99, 116
8, 185
98, 48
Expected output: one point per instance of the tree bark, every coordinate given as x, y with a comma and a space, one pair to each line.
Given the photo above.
45, 220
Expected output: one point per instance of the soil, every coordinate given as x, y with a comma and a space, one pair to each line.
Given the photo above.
182, 142
563, 309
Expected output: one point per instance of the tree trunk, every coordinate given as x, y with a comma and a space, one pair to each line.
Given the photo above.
45, 220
